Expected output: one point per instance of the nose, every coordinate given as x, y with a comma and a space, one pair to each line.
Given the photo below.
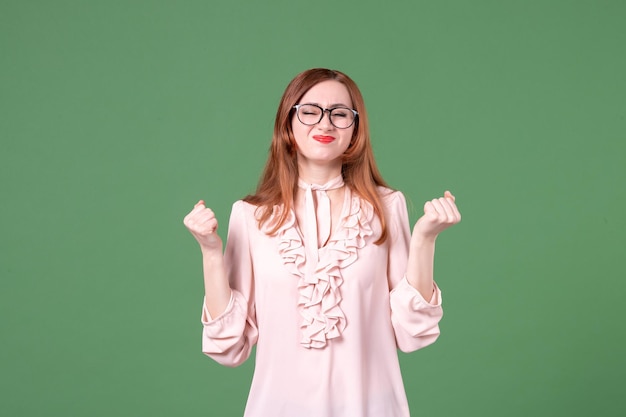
325, 122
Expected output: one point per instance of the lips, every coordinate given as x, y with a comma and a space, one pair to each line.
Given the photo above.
323, 138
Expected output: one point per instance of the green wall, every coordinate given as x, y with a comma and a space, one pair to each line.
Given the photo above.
117, 116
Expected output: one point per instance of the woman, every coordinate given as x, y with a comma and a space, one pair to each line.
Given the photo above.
320, 269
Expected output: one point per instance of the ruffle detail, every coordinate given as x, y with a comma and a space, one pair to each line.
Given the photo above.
319, 287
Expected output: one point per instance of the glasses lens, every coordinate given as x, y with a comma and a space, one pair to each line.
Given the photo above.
342, 117
309, 114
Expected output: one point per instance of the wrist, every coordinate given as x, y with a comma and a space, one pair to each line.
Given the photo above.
421, 240
210, 253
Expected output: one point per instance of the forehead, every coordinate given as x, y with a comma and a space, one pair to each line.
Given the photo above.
328, 93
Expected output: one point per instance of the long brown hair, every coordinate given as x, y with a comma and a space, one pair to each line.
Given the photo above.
279, 181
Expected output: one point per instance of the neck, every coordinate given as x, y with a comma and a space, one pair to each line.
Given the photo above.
317, 174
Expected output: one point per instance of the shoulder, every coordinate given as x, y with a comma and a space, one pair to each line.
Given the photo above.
253, 215
391, 198
241, 205
238, 207
242, 211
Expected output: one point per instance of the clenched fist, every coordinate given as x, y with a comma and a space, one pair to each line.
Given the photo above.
439, 214
202, 224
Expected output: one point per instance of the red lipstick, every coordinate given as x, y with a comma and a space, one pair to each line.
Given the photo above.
323, 138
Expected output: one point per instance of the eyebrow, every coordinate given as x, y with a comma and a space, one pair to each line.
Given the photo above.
332, 106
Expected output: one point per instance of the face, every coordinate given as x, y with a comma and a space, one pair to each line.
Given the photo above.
323, 143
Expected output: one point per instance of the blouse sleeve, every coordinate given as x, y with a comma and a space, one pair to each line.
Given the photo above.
415, 320
229, 337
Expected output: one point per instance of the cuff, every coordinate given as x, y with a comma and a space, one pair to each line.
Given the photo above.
206, 317
407, 291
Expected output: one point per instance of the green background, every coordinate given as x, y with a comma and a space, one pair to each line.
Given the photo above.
117, 116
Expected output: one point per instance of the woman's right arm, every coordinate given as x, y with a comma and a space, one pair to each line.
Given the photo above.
202, 224
229, 312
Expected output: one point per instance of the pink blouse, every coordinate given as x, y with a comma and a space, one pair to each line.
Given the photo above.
326, 335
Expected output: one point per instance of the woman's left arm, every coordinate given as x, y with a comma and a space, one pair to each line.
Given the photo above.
439, 214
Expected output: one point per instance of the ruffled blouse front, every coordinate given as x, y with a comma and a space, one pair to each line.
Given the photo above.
326, 335
320, 287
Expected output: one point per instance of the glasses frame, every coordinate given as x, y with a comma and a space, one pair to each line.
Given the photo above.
330, 113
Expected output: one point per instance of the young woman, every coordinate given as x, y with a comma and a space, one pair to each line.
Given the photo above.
321, 270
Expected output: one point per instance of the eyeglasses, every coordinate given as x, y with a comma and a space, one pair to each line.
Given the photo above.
312, 114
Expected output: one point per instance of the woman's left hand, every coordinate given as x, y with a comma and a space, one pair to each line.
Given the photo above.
439, 214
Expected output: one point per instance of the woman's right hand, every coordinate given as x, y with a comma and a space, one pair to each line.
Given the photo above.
202, 224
